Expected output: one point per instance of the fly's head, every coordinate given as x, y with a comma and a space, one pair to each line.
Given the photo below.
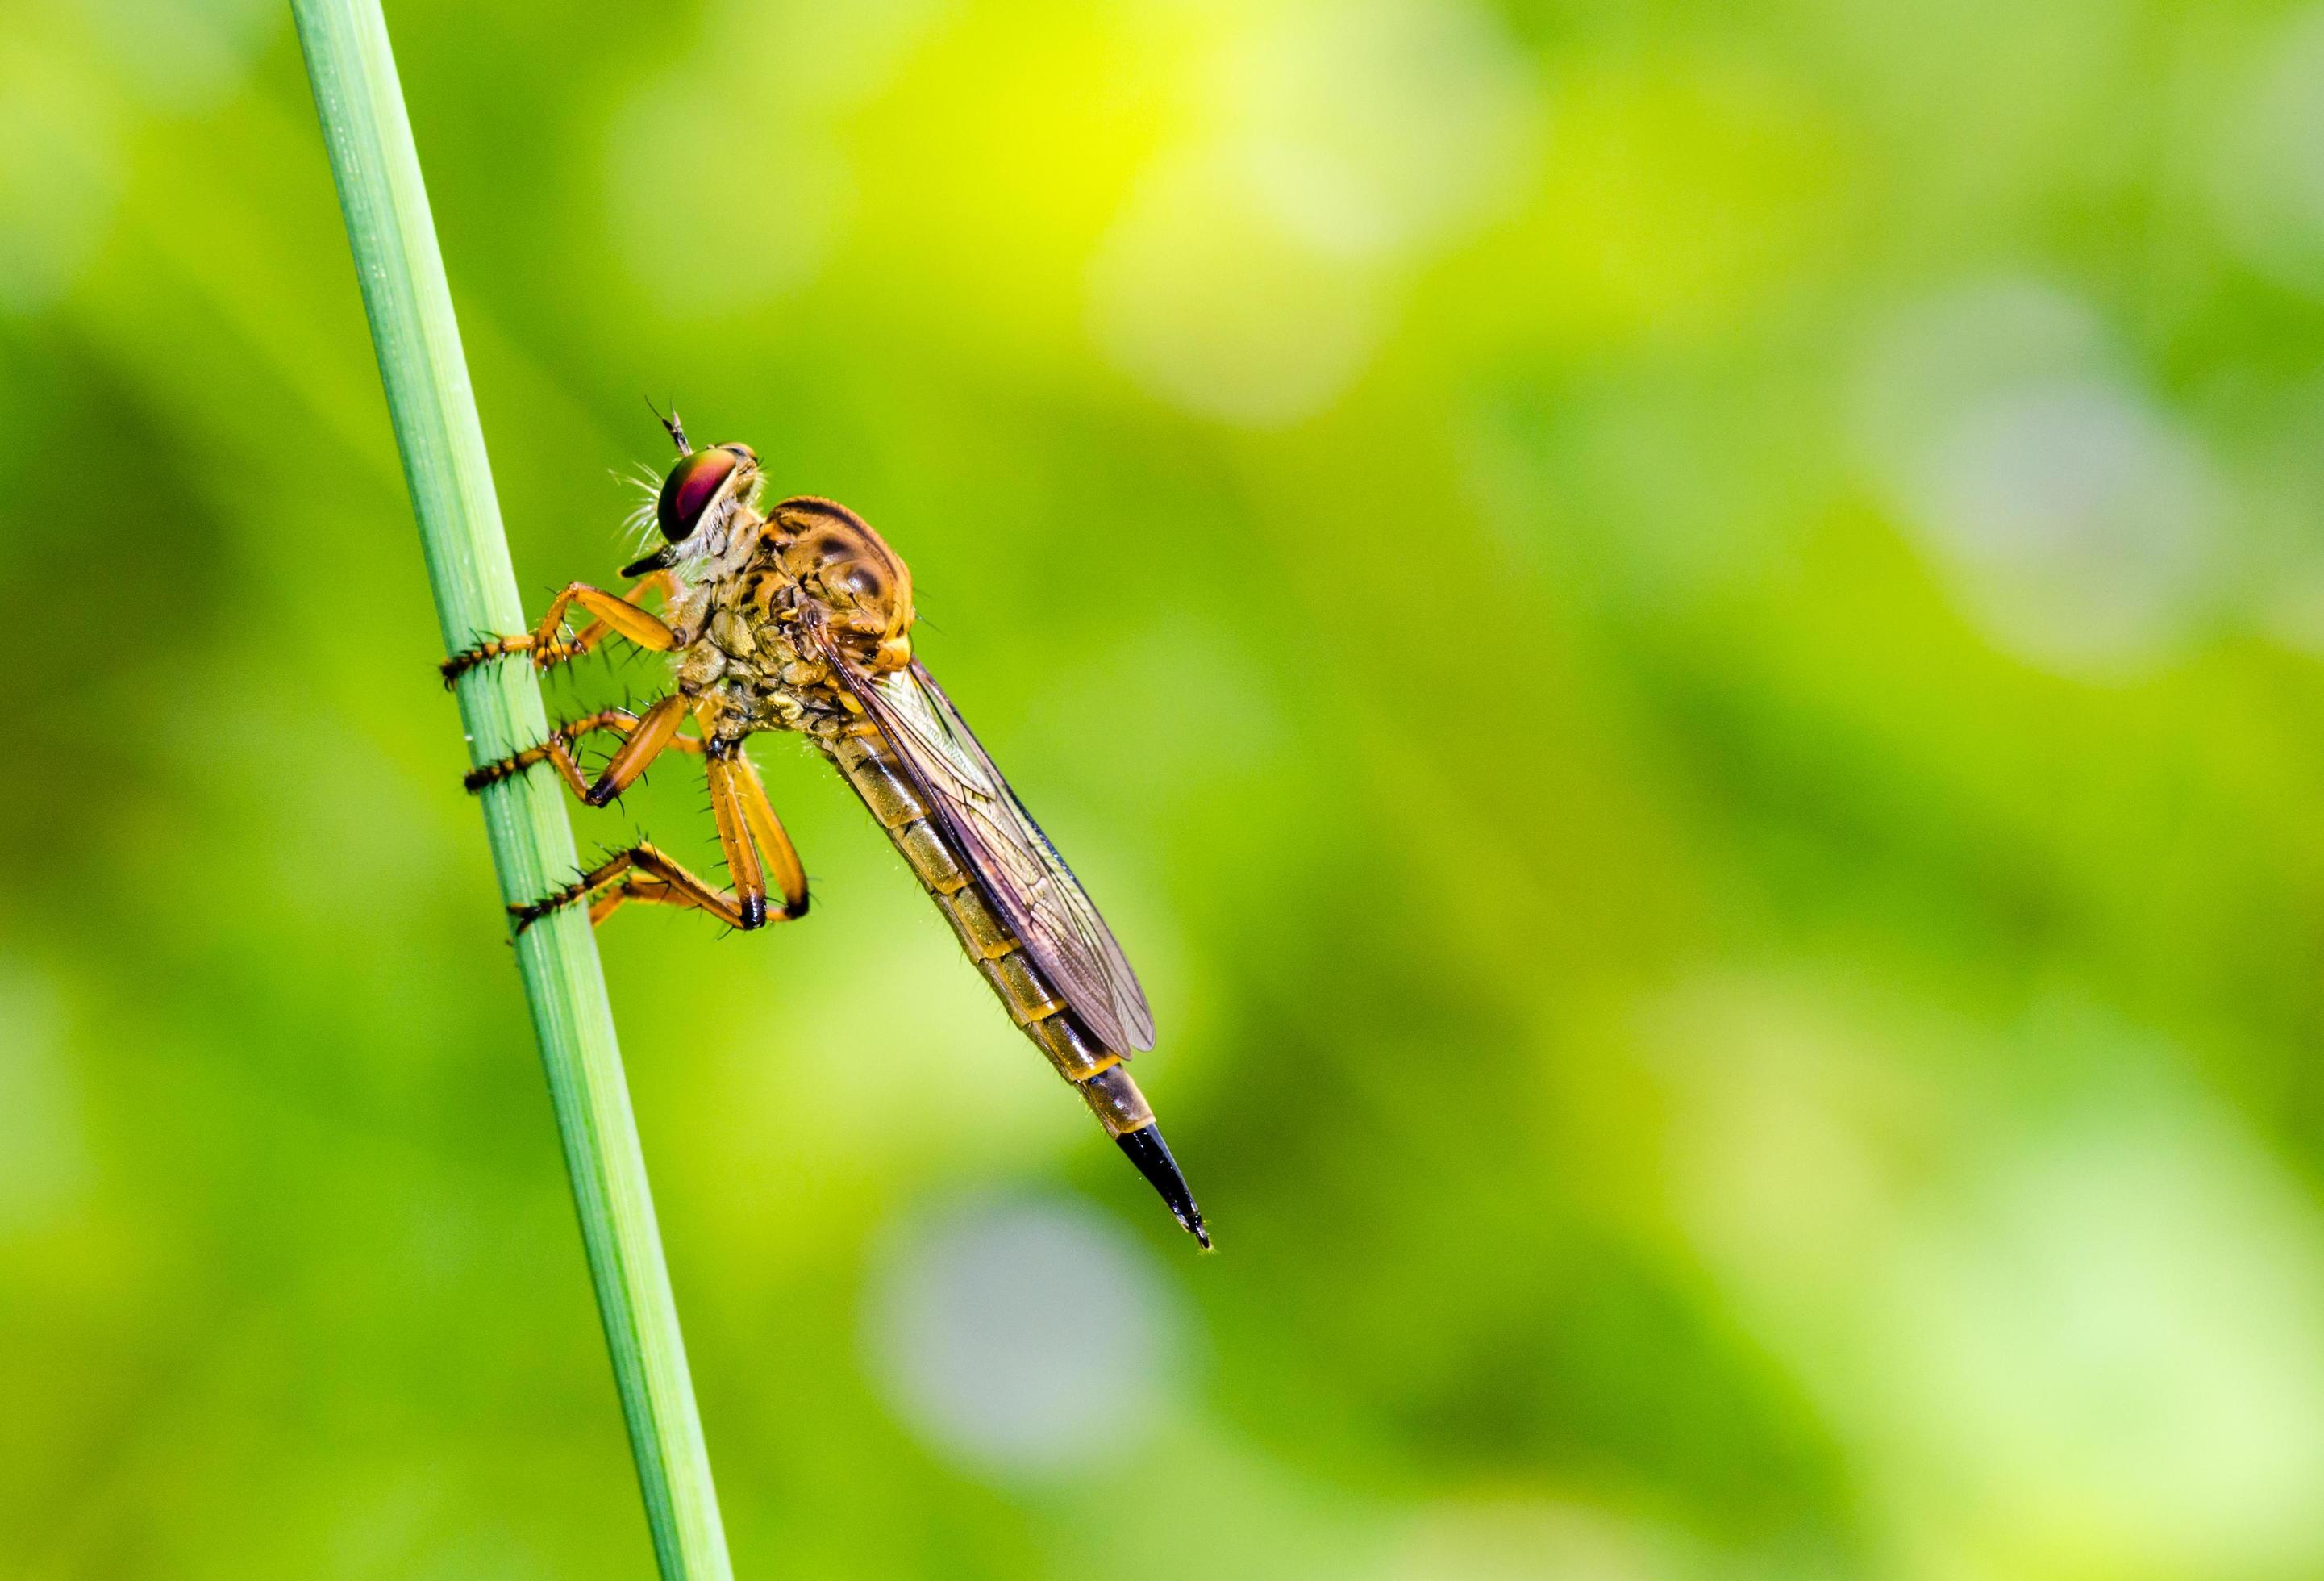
860, 588
698, 505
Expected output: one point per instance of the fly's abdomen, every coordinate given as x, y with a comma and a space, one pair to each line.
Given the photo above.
1024, 990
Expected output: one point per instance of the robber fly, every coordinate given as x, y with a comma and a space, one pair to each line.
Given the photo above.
800, 619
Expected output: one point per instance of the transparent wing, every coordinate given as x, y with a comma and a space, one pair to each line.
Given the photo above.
1044, 903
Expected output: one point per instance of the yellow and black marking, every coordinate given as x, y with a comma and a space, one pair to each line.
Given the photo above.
1024, 990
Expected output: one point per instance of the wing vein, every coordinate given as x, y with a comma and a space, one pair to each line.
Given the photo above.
1042, 902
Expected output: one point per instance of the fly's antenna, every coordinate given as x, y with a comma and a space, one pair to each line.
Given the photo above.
676, 428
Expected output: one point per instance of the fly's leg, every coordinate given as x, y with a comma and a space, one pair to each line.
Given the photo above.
649, 736
647, 739
615, 615
734, 778
557, 751
655, 730
747, 826
643, 873
662, 582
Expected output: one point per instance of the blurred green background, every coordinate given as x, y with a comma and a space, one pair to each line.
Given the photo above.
1684, 640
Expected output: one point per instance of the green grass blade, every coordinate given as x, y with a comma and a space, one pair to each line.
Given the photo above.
377, 169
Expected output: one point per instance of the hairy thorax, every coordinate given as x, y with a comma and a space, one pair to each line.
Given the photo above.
759, 625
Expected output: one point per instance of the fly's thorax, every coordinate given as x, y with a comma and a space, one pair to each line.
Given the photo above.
860, 589
753, 649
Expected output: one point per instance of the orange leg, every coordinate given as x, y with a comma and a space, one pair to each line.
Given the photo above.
614, 616
749, 831
644, 873
655, 730
557, 751
758, 816
662, 582
751, 835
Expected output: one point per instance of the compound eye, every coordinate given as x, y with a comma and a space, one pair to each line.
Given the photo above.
689, 488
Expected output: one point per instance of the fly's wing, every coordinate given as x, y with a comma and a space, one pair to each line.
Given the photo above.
1044, 903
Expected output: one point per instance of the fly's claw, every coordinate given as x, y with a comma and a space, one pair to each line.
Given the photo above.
533, 911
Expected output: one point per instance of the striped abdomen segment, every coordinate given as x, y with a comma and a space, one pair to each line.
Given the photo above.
1032, 1000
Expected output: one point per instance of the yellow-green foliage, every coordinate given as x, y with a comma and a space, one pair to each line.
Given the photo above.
1683, 640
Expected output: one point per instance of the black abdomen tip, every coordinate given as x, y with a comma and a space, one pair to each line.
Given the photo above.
1147, 1149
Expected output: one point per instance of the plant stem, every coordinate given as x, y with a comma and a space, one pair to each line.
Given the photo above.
377, 169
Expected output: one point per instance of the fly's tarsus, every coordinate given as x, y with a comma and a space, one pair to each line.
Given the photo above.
554, 651
468, 658
529, 914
